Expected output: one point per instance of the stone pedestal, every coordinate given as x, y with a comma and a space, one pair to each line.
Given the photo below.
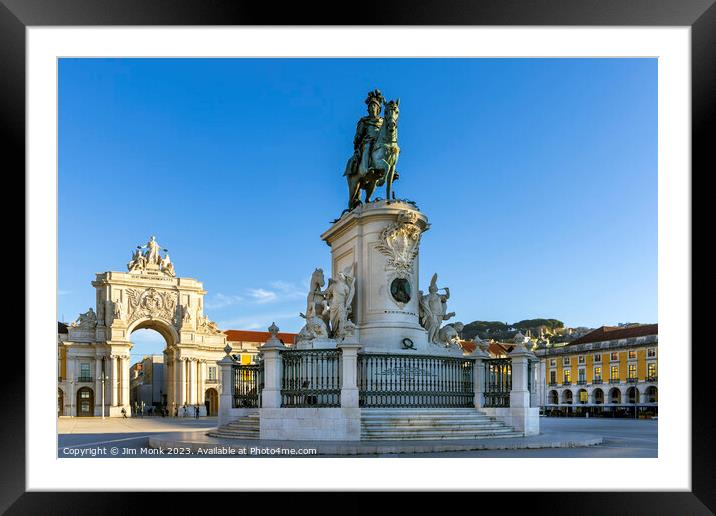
382, 239
226, 401
522, 416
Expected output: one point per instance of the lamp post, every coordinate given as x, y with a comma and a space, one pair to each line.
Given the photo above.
102, 379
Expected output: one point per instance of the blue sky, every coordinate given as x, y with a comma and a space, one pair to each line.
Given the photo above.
539, 177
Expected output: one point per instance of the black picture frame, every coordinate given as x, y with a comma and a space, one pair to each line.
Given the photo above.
17, 15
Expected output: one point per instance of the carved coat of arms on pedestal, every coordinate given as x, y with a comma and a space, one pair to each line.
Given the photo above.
399, 242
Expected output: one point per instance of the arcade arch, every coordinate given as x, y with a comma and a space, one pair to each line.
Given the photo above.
148, 296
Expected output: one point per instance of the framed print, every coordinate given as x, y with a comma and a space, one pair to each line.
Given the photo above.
504, 192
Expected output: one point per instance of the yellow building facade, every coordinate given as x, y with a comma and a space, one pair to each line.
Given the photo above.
611, 372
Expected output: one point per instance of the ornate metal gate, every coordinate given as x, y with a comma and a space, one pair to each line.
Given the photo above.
248, 383
498, 382
386, 380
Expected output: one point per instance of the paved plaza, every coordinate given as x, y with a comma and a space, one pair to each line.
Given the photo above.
622, 438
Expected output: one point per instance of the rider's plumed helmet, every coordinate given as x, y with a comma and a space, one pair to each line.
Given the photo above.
375, 97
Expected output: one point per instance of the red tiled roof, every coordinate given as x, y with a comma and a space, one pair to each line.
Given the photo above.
494, 348
257, 336
617, 332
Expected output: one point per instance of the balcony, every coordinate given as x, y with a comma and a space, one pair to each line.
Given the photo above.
553, 384
632, 380
212, 380
597, 380
651, 378
581, 382
566, 382
84, 379
613, 380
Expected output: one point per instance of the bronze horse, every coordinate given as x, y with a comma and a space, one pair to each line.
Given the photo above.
383, 158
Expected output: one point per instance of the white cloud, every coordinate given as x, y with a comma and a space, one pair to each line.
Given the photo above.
220, 300
287, 321
263, 296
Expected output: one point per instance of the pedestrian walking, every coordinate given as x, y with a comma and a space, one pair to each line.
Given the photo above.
196, 411
124, 412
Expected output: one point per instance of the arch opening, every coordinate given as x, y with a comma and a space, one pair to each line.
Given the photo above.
148, 386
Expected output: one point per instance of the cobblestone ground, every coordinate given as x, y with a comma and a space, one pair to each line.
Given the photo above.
623, 438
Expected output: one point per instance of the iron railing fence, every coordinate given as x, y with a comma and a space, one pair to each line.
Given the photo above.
393, 380
311, 378
248, 383
498, 382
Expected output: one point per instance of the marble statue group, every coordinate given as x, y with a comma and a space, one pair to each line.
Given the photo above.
151, 259
328, 311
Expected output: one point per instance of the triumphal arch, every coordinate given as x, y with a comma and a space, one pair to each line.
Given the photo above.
148, 295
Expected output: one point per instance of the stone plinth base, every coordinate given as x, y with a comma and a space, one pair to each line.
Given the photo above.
525, 420
316, 344
307, 424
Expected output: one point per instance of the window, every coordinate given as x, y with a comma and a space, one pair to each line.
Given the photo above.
651, 353
597, 358
632, 371
614, 374
632, 353
597, 373
84, 370
84, 393
553, 377
581, 359
565, 361
582, 376
615, 356
567, 376
583, 396
553, 363
212, 373
651, 371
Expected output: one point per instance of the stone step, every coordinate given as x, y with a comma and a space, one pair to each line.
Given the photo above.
418, 410
250, 424
437, 437
417, 417
432, 428
233, 435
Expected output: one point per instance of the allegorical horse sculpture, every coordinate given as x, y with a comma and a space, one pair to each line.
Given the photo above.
376, 155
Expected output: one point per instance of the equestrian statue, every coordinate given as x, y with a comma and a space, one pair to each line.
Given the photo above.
375, 151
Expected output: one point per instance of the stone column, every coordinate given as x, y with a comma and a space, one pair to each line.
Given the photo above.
98, 386
115, 381
124, 363
201, 368
479, 376
271, 396
180, 364
226, 401
71, 401
349, 375
524, 418
191, 381
643, 395
169, 382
